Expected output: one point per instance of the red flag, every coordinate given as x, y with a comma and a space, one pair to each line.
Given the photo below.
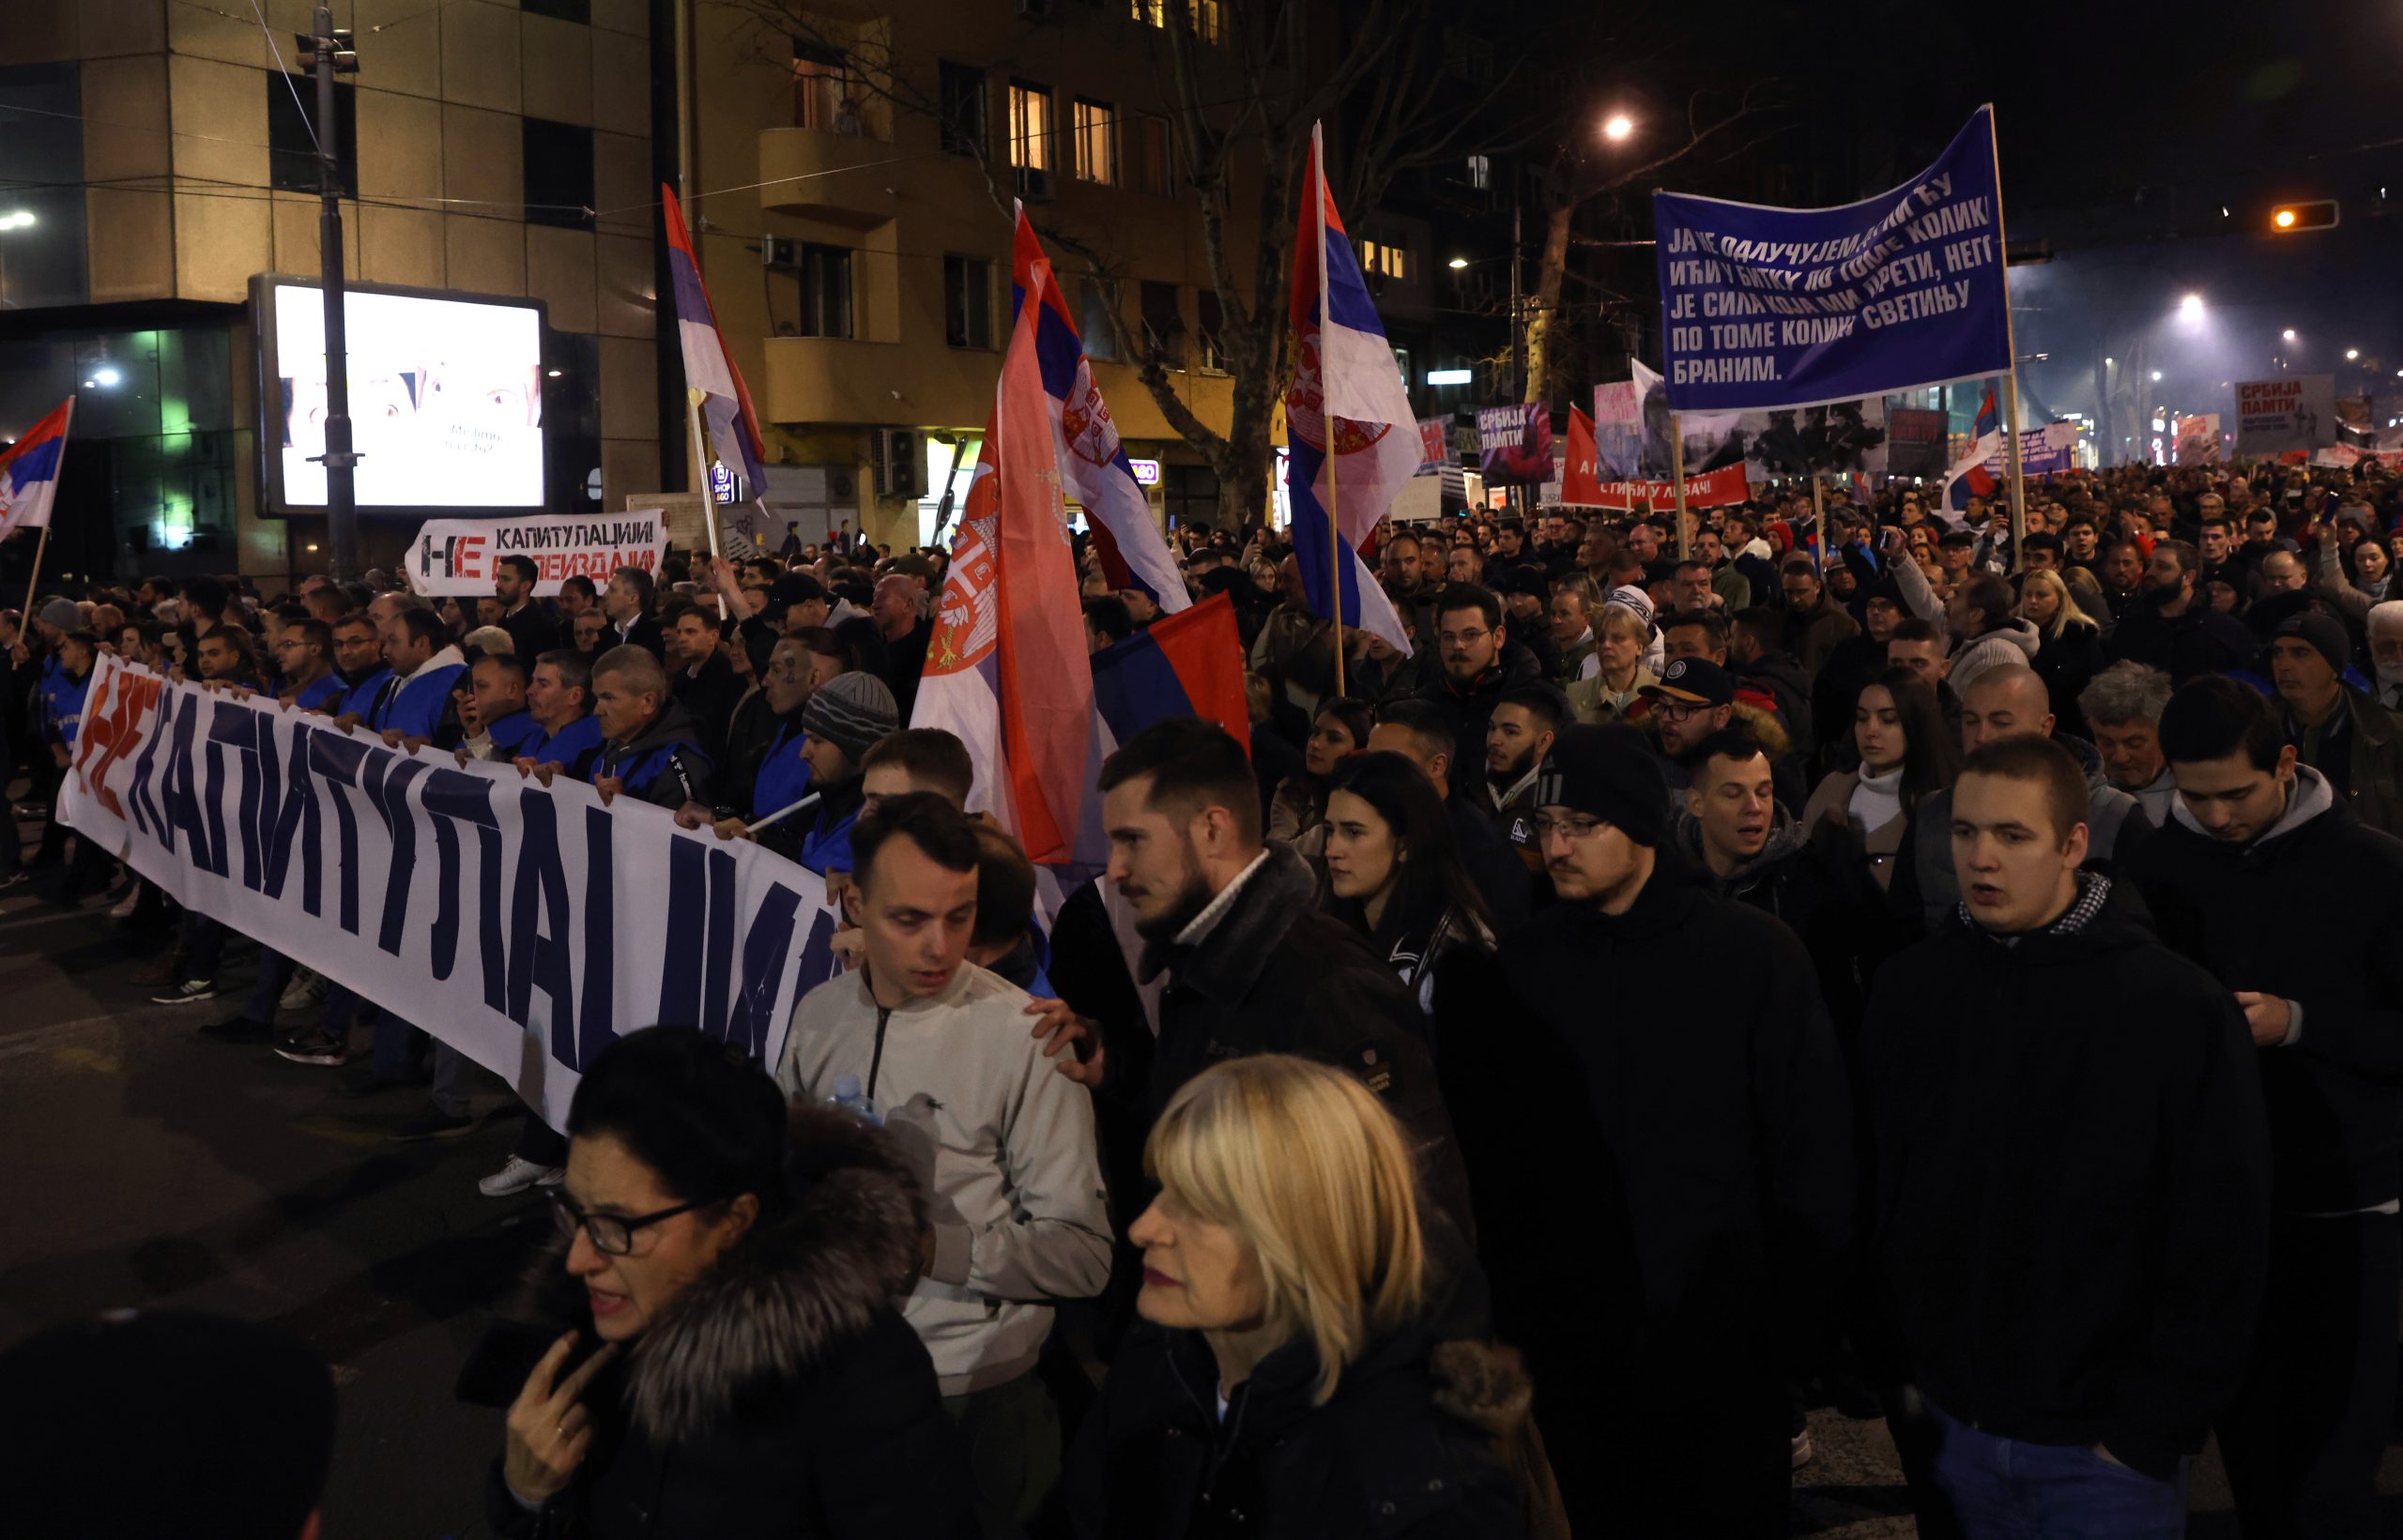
1581, 484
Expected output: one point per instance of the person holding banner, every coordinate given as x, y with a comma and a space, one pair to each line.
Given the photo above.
559, 696
735, 1259
493, 713
650, 750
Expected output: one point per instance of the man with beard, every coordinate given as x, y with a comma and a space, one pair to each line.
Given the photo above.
764, 769
1517, 736
1252, 964
2170, 627
523, 616
2120, 577
1480, 660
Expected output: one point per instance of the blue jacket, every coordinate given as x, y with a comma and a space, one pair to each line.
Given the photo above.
575, 746
417, 706
358, 699
324, 695
62, 704
664, 766
784, 775
511, 734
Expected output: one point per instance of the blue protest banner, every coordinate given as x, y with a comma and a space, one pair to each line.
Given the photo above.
1799, 307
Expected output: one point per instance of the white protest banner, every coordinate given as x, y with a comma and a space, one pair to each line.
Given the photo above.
2291, 411
2197, 441
528, 927
458, 556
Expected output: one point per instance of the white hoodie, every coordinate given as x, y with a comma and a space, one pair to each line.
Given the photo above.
1000, 1142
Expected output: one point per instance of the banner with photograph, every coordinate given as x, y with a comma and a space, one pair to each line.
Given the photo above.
1618, 429
1835, 439
1918, 441
528, 926
459, 556
1773, 308
1435, 447
2199, 439
1514, 444
2291, 411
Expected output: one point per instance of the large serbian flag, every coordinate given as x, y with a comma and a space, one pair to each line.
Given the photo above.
1006, 672
1970, 476
29, 472
1581, 484
727, 414
1344, 373
1093, 463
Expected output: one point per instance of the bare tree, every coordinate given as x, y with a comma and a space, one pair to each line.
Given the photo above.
1241, 105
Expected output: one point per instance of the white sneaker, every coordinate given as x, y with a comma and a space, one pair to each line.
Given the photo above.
306, 992
1802, 1450
518, 1175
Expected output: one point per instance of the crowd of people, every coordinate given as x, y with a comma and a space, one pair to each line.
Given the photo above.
1783, 961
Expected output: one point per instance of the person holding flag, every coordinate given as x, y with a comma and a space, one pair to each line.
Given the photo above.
724, 421
1970, 478
1355, 440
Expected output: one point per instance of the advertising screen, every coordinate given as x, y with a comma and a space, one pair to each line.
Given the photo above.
446, 398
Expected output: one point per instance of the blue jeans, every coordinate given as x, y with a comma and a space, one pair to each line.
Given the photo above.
266, 995
2005, 1489
393, 1055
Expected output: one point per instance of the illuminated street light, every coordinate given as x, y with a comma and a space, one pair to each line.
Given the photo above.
106, 377
2352, 353
2157, 374
1619, 127
2283, 219
1458, 263
21, 218
2191, 307
2287, 334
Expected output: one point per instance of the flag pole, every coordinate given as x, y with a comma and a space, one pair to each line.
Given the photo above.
33, 584
1326, 417
700, 484
1820, 509
2011, 379
1677, 470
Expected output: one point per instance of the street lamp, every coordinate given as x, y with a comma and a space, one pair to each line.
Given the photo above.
1618, 127
2287, 334
2191, 307
2156, 375
2352, 353
1457, 263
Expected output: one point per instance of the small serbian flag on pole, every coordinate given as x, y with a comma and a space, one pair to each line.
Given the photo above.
29, 472
1970, 477
727, 415
1345, 378
1094, 468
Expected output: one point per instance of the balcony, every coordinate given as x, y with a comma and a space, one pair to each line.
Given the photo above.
818, 173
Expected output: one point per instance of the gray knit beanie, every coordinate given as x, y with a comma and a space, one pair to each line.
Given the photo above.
852, 711
61, 614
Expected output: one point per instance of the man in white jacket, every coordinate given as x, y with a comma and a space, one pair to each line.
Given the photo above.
1003, 1146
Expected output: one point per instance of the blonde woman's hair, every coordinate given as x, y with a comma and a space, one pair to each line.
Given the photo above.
2069, 608
1305, 1164
1618, 620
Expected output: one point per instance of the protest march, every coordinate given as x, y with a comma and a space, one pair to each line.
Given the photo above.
1564, 1007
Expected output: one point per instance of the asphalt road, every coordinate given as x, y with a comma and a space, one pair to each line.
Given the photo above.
147, 1165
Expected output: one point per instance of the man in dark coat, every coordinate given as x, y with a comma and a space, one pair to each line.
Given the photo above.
2073, 1181
529, 622
1668, 1057
1478, 661
2168, 625
2297, 908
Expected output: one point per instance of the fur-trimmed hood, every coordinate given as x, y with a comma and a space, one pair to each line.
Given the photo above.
813, 1271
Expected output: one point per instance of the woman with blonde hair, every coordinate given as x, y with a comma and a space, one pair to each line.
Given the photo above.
2069, 650
1287, 1379
1620, 638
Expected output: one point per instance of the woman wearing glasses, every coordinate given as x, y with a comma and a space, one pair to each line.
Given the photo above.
737, 1264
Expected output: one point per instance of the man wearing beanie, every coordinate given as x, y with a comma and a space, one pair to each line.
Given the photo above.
2339, 731
843, 720
1672, 1065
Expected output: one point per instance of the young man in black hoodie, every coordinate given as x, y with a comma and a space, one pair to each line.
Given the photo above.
2297, 909
2072, 1179
1667, 1054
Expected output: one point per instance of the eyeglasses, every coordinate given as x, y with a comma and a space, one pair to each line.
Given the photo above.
613, 1235
1461, 638
1669, 711
1568, 829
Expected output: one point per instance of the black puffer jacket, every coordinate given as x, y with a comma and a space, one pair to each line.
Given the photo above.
1471, 704
781, 1394
1405, 1448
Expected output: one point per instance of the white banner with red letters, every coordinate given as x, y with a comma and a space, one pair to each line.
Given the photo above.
459, 556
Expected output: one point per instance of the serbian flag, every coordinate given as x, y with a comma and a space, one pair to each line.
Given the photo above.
1093, 463
1344, 378
29, 472
1971, 475
1006, 672
1581, 481
727, 414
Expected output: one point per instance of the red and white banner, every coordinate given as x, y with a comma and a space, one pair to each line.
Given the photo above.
1711, 489
458, 556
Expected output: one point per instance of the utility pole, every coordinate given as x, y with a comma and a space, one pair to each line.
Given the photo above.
334, 54
1518, 317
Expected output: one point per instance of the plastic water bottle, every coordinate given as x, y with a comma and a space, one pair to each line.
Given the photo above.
852, 1100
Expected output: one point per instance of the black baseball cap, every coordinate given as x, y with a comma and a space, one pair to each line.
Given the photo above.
1696, 681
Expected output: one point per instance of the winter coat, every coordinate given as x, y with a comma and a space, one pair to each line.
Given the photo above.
1878, 847
532, 632
1779, 678
780, 1394
1471, 706
664, 766
1503, 879
1406, 1446
1276, 974
2185, 646
2363, 760
2067, 663
709, 696
2311, 912
2114, 826
1590, 700
2073, 1179
2012, 643
1812, 635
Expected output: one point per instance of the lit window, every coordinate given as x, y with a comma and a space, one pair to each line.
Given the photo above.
1097, 149
1150, 12
1385, 260
1030, 127
1209, 19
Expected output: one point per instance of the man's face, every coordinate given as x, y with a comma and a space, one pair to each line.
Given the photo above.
1707, 548
1690, 588
623, 712
619, 602
1953, 559
1152, 860
1645, 541
2122, 568
2165, 579
2301, 676
1881, 616
498, 690
2017, 872
1463, 566
2080, 540
355, 647
1801, 590
1390, 738
1568, 616
2231, 799
1526, 611
1514, 740
1688, 642
1509, 541
295, 658
692, 640
915, 916
1684, 725
509, 585
1402, 561
895, 608
589, 627
574, 601
217, 659
1925, 659
2261, 528
1140, 607
1585, 857
789, 679
1595, 549
1469, 645
2386, 650
2215, 543
804, 612
550, 700
2131, 752
2281, 573
1555, 529
488, 610
1734, 802
2043, 560
829, 765
1995, 709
